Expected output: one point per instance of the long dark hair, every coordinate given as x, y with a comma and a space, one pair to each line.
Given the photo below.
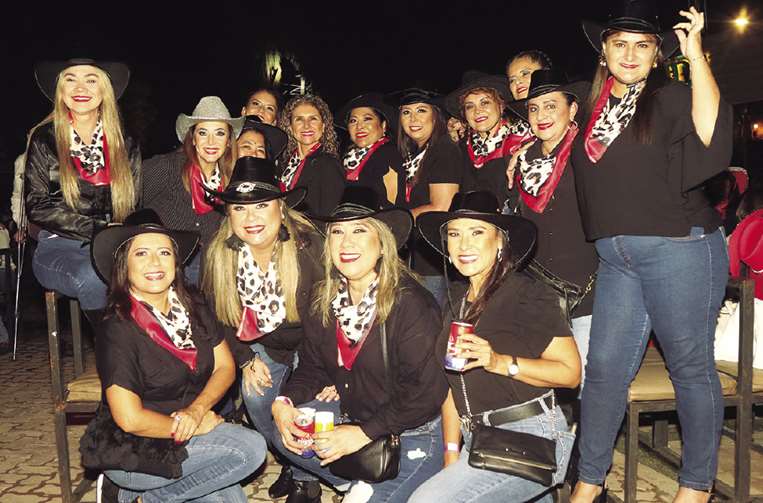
119, 290
406, 146
273, 91
498, 274
534, 55
642, 119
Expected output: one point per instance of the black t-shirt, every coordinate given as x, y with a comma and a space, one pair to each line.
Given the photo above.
491, 176
376, 167
127, 357
323, 178
441, 164
521, 318
654, 189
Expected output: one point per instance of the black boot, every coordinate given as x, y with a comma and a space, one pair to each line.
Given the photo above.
305, 492
282, 486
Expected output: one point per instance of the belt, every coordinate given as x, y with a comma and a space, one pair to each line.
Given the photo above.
517, 413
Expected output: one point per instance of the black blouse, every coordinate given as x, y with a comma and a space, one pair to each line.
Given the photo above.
654, 189
377, 166
491, 176
561, 246
521, 318
126, 356
323, 178
418, 377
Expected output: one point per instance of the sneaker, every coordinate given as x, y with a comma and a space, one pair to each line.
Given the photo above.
105, 490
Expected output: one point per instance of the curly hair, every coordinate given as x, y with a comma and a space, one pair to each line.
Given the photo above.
329, 140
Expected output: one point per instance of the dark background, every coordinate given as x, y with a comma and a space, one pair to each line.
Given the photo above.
181, 51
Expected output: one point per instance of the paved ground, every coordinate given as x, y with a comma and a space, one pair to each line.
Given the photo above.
28, 464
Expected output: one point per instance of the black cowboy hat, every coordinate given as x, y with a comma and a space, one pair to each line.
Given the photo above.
479, 205
253, 181
415, 95
370, 100
473, 79
106, 243
635, 16
549, 81
363, 202
275, 139
46, 74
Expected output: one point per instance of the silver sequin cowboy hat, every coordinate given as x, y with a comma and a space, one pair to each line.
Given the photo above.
210, 108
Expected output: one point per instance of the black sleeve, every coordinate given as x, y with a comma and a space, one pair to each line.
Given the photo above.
310, 376
241, 351
539, 317
419, 379
117, 358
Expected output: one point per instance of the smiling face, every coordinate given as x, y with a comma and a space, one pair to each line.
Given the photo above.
82, 88
630, 56
256, 224
482, 111
306, 125
519, 72
150, 265
550, 116
473, 246
263, 105
355, 249
365, 126
252, 143
417, 121
211, 140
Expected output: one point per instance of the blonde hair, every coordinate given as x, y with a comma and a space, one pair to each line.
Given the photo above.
123, 194
226, 162
221, 265
390, 269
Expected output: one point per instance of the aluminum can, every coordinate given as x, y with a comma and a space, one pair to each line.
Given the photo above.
453, 362
306, 422
324, 421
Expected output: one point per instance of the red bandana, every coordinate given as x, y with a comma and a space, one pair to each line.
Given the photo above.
353, 175
199, 198
100, 177
348, 350
151, 326
593, 148
247, 329
538, 203
510, 144
297, 173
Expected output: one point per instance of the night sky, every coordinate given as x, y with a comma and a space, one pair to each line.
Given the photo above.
179, 54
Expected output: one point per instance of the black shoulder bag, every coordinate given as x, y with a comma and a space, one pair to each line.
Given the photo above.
572, 294
379, 460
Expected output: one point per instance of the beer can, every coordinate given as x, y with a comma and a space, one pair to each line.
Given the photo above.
453, 362
324, 421
306, 422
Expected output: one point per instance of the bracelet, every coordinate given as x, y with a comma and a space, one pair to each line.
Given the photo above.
249, 362
452, 447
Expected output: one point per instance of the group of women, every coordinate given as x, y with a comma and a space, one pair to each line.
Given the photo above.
259, 246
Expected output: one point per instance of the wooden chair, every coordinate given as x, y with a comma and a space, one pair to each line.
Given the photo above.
652, 391
81, 395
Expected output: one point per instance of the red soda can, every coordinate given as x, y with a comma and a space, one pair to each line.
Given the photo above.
306, 422
453, 362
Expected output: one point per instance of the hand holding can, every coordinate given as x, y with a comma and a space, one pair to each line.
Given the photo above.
452, 360
306, 422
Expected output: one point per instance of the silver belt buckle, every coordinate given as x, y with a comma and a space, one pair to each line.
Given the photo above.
466, 422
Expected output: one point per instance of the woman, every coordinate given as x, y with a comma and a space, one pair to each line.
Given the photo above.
264, 102
663, 265
520, 68
521, 347
546, 187
258, 139
175, 182
162, 365
311, 157
372, 160
432, 172
270, 253
81, 172
367, 289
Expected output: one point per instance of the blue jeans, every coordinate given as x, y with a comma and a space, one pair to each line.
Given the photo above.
673, 286
259, 406
460, 482
216, 463
581, 332
192, 270
421, 456
64, 265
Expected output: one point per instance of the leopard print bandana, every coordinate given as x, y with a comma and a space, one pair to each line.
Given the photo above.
356, 156
355, 320
535, 173
483, 147
412, 164
260, 291
90, 156
607, 121
176, 324
520, 128
291, 168
213, 182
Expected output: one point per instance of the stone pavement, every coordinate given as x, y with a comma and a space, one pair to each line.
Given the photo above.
28, 465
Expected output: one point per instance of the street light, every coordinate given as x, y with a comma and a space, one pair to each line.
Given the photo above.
742, 21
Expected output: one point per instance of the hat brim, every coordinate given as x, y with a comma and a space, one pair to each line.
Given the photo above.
579, 90
594, 32
275, 138
231, 196
106, 243
46, 74
399, 221
452, 101
184, 123
522, 233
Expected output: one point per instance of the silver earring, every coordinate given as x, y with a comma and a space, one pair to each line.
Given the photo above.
602, 61
450, 260
498, 255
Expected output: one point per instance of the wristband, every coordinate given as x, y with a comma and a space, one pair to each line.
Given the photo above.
452, 447
285, 399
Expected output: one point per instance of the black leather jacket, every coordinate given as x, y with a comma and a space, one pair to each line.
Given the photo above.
44, 198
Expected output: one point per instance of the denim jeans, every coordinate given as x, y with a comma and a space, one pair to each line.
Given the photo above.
460, 482
421, 456
64, 265
216, 463
581, 332
673, 286
192, 270
259, 406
